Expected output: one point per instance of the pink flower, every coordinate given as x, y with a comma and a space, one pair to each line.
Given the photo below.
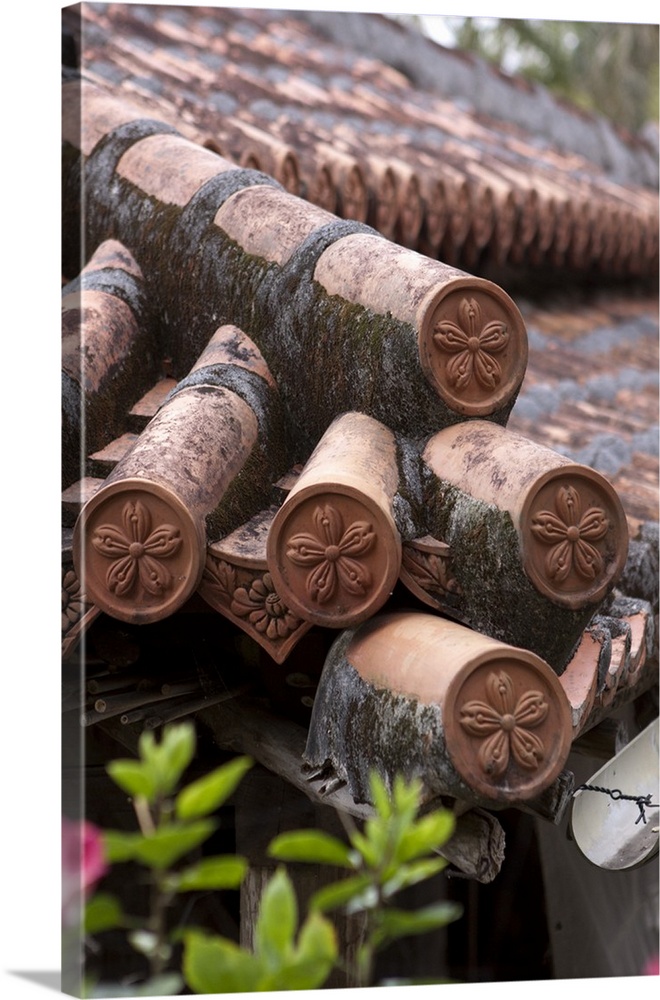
652, 967
83, 865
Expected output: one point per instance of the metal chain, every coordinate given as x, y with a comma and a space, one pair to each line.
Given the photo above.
643, 801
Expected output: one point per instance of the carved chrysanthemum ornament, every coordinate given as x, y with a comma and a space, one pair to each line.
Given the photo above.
262, 606
73, 602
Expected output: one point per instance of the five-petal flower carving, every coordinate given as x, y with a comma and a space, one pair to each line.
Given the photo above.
263, 607
504, 724
333, 554
136, 552
570, 533
73, 602
472, 345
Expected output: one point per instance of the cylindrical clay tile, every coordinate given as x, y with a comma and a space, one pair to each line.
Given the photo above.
537, 541
413, 694
317, 294
384, 208
471, 338
140, 542
108, 354
334, 551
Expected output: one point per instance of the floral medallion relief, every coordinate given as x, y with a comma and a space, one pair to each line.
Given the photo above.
427, 571
77, 612
574, 539
142, 551
473, 346
504, 724
73, 600
247, 597
137, 552
334, 555
335, 558
475, 349
509, 726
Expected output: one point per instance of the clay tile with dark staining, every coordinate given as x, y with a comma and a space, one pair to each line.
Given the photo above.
320, 424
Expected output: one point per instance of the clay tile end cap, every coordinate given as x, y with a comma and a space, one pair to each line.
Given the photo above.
473, 345
574, 536
508, 725
334, 557
138, 550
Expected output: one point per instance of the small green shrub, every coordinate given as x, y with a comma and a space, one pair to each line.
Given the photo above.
394, 850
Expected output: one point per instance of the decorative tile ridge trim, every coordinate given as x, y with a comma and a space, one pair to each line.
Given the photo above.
237, 583
612, 664
477, 719
77, 612
90, 113
333, 549
143, 536
108, 352
571, 526
427, 571
112, 269
471, 340
260, 150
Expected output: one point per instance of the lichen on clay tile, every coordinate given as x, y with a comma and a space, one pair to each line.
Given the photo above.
354, 372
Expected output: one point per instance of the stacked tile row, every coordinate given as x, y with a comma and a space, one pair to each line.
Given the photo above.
265, 91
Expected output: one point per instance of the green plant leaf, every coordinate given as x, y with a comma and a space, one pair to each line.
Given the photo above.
103, 912
213, 964
277, 921
406, 796
380, 795
166, 845
317, 940
120, 846
365, 848
207, 794
177, 750
166, 761
337, 894
426, 834
394, 924
211, 873
313, 959
313, 846
411, 874
133, 777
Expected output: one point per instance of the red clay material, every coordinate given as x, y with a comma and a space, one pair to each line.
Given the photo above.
472, 338
504, 715
334, 551
570, 523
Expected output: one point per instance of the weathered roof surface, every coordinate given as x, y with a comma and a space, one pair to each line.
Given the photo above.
280, 90
346, 129
241, 305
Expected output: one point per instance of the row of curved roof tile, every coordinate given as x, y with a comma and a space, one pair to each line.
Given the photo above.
352, 135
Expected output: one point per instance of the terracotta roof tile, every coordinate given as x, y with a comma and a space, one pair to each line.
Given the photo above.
281, 73
301, 448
